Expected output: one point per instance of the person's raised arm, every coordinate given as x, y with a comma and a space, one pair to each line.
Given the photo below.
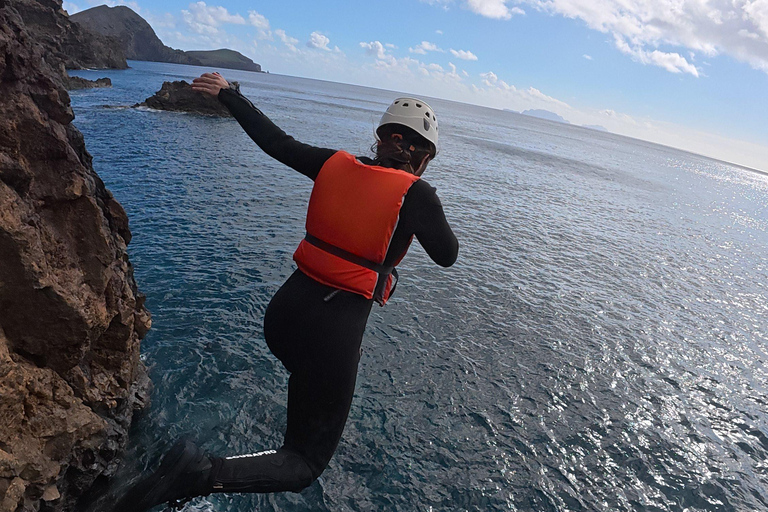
427, 221
304, 158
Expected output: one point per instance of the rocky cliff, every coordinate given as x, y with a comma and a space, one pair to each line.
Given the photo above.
68, 42
139, 41
71, 316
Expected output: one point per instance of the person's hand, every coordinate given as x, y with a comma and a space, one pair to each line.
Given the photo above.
210, 83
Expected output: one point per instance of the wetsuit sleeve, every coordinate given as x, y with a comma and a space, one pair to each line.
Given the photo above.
306, 159
427, 221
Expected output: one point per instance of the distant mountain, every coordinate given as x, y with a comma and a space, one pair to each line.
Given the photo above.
140, 42
544, 114
595, 127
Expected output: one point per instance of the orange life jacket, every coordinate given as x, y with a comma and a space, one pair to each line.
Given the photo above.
353, 212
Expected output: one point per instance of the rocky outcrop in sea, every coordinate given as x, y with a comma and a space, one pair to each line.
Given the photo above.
71, 315
75, 82
179, 96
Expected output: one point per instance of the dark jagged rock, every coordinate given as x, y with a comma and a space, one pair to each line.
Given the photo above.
76, 82
71, 315
139, 41
179, 96
68, 42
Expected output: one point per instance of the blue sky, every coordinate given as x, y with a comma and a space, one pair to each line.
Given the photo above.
686, 73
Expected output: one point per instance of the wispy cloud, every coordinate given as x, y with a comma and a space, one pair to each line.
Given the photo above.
288, 41
463, 54
497, 9
424, 47
738, 28
649, 31
204, 19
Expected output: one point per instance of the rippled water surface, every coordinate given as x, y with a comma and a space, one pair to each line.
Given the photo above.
600, 344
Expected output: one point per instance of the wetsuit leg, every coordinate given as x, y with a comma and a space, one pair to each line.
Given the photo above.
318, 341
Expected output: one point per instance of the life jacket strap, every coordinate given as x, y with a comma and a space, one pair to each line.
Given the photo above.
382, 270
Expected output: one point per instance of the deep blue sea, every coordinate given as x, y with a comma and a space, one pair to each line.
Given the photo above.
601, 343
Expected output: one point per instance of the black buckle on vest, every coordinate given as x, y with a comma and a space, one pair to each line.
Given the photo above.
383, 271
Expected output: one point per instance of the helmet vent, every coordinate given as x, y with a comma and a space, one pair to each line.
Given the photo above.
405, 104
418, 105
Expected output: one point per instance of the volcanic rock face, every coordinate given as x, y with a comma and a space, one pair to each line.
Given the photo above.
70, 313
180, 97
66, 41
136, 36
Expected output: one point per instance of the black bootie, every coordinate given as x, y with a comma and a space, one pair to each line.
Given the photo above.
184, 473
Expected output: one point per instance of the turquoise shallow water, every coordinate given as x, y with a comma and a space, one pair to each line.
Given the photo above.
600, 344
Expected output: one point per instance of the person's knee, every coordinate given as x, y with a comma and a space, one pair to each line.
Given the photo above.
302, 474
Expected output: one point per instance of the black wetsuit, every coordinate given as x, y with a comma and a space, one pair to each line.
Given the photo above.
318, 341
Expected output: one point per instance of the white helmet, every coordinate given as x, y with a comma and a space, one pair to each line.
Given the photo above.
414, 114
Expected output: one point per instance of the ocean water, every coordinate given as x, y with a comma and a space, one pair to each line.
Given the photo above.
601, 343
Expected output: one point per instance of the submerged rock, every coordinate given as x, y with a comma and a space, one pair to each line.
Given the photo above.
71, 315
75, 82
179, 96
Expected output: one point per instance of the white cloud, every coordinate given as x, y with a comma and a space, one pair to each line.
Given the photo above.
491, 80
496, 9
657, 32
499, 93
641, 28
588, 57
287, 40
70, 7
318, 41
258, 20
439, 32
672, 62
205, 19
376, 49
424, 47
538, 95
401, 71
463, 54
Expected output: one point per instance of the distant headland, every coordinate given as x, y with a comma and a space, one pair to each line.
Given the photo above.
139, 41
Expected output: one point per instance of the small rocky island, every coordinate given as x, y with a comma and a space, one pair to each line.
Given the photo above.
75, 82
178, 96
